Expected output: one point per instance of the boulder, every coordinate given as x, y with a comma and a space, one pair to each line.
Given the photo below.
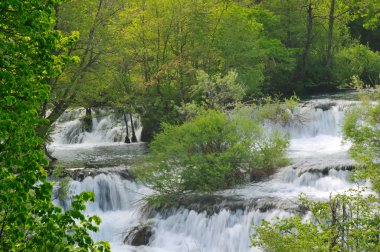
139, 235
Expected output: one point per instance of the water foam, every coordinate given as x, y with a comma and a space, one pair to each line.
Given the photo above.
315, 144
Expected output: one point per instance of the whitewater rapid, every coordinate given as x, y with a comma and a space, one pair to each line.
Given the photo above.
319, 167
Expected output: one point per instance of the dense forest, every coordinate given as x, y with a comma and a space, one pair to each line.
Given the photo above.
145, 56
182, 67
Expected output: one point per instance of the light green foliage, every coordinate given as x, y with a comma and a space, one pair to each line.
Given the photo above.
62, 184
361, 128
256, 53
347, 222
157, 47
94, 56
163, 46
211, 152
29, 221
358, 60
275, 110
190, 110
368, 10
218, 92
237, 38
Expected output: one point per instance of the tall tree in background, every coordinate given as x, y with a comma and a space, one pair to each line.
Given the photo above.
274, 46
84, 81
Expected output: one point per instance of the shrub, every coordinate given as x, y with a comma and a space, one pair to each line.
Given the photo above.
347, 222
213, 151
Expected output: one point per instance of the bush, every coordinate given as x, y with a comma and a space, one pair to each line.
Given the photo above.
361, 128
347, 222
213, 151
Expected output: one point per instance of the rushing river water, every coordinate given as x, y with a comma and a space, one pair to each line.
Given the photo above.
319, 167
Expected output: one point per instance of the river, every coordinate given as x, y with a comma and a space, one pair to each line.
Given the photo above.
320, 166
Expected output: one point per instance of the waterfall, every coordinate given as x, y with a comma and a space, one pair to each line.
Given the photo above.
118, 204
320, 166
107, 128
318, 117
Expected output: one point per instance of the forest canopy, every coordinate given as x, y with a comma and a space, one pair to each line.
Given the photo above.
144, 56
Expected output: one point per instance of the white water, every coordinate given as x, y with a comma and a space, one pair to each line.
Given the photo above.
315, 145
107, 128
117, 204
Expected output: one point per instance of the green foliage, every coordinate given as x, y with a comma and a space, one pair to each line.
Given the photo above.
211, 152
361, 128
62, 183
358, 60
163, 49
347, 222
218, 92
368, 10
29, 221
147, 56
276, 110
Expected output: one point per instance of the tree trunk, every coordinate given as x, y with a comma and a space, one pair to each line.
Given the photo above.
43, 130
56, 14
330, 34
145, 55
126, 127
288, 40
68, 96
309, 37
87, 121
134, 139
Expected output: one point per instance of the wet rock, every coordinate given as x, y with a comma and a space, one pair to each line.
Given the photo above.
139, 235
79, 174
323, 166
213, 204
325, 106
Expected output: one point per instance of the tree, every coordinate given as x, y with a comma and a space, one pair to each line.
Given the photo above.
298, 18
166, 43
218, 92
29, 221
211, 152
84, 81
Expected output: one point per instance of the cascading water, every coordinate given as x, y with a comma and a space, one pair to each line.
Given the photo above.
107, 127
317, 134
320, 166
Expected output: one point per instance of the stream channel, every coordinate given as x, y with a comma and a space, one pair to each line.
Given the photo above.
99, 162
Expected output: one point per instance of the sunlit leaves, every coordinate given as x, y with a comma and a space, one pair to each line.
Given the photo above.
29, 220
